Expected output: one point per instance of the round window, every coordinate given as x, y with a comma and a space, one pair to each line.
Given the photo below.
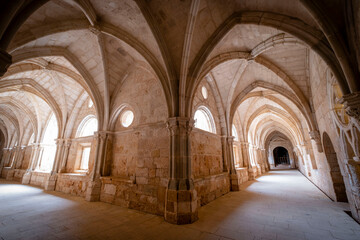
204, 92
127, 118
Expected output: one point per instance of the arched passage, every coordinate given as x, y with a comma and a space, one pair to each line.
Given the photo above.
337, 178
281, 156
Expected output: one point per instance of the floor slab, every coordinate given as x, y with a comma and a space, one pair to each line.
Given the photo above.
278, 205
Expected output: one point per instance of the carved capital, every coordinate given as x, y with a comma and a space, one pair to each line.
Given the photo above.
230, 140
5, 61
179, 124
315, 135
59, 141
352, 104
67, 143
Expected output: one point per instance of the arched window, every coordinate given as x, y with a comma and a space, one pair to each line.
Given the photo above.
204, 120
32, 138
88, 126
234, 133
48, 144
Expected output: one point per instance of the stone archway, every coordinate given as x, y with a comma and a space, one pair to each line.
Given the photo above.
337, 178
281, 156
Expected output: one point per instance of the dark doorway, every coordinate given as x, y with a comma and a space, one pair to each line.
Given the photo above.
337, 178
281, 156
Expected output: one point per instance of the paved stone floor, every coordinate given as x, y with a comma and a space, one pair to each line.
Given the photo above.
278, 205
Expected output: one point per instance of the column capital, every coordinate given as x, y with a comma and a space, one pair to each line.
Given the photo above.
101, 135
315, 135
230, 139
179, 123
5, 61
244, 143
351, 103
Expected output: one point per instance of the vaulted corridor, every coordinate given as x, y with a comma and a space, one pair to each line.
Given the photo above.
277, 205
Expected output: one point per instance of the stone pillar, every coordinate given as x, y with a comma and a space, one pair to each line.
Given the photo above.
234, 178
11, 171
246, 158
106, 168
271, 159
245, 153
3, 159
5, 61
225, 155
20, 157
65, 154
27, 176
94, 185
181, 196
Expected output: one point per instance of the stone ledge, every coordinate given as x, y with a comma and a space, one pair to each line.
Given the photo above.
206, 178
113, 180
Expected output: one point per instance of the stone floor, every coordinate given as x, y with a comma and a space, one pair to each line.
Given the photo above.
278, 205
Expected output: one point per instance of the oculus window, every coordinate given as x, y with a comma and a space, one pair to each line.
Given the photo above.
127, 118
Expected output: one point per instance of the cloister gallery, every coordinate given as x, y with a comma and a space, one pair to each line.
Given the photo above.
165, 107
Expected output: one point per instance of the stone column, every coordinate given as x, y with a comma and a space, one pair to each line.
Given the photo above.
234, 178
94, 185
245, 153
64, 156
3, 159
32, 164
11, 171
20, 157
225, 155
106, 167
181, 196
264, 159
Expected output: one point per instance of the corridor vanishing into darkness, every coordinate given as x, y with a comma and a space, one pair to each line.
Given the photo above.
277, 205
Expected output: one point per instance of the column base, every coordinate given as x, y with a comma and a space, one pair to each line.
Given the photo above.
51, 182
26, 178
93, 191
181, 206
235, 182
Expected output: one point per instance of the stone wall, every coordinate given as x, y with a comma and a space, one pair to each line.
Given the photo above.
74, 184
39, 178
321, 176
211, 187
139, 171
206, 154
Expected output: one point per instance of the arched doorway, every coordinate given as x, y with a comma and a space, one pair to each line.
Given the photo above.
337, 178
281, 156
